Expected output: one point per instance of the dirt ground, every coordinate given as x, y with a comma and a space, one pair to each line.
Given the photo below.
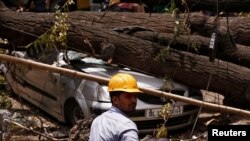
32, 124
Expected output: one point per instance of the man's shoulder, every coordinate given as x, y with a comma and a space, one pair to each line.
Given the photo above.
116, 117
120, 119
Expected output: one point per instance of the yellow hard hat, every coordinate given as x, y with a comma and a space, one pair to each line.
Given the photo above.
112, 2
123, 82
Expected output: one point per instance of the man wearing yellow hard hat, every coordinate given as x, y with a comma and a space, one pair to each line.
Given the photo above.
114, 124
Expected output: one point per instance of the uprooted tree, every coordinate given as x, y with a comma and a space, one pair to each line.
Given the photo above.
166, 45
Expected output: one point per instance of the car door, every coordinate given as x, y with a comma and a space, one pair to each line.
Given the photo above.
51, 95
29, 82
34, 84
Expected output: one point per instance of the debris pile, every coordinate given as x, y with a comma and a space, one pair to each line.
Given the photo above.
80, 131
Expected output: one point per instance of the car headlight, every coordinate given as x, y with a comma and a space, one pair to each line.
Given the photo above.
103, 94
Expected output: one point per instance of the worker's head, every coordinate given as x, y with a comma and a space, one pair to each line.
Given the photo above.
123, 91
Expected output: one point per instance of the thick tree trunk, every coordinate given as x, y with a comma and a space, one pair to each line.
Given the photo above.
199, 45
193, 70
38, 23
200, 24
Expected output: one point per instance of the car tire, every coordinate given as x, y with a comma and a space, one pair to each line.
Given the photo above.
73, 112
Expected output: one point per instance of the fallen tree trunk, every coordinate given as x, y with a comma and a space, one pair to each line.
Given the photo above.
43, 21
199, 45
200, 24
193, 70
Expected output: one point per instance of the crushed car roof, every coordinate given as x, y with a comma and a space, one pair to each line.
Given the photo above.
99, 67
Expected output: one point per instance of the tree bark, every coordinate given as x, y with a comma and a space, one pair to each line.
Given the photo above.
194, 70
200, 24
199, 45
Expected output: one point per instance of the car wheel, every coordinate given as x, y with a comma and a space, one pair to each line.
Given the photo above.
73, 112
